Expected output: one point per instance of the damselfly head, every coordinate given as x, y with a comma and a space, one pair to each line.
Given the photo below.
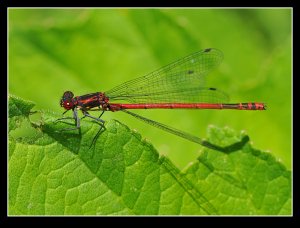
67, 100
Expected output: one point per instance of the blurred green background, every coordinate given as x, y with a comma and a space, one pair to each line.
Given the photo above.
90, 50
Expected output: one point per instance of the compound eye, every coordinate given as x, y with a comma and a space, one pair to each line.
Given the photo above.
68, 95
68, 105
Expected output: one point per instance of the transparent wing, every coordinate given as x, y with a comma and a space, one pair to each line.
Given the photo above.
180, 81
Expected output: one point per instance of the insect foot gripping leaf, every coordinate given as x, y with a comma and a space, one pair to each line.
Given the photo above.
57, 173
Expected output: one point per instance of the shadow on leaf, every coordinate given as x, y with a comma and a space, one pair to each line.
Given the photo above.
70, 140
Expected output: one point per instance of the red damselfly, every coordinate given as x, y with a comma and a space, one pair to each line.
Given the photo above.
179, 85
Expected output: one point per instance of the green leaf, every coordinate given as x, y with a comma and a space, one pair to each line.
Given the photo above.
54, 172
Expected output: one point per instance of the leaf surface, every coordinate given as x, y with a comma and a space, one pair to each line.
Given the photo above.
54, 172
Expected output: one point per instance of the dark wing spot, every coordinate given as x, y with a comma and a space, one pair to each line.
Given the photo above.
207, 50
212, 89
190, 72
